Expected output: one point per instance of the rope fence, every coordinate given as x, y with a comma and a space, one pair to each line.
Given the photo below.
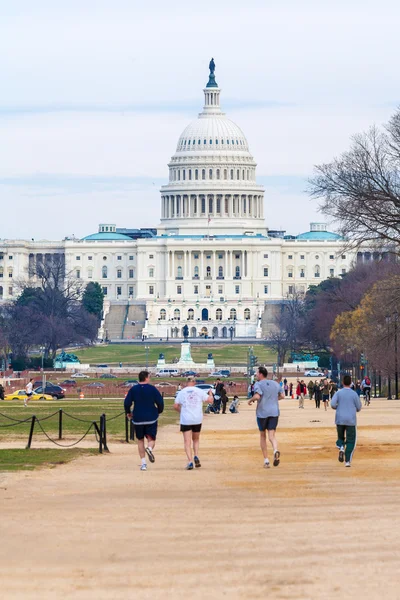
99, 428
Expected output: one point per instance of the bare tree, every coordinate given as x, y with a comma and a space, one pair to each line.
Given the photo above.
360, 190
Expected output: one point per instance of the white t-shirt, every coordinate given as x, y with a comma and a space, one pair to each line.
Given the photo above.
29, 388
191, 399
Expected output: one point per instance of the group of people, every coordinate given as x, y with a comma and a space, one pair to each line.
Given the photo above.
143, 405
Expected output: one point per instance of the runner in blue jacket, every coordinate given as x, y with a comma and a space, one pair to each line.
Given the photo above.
143, 404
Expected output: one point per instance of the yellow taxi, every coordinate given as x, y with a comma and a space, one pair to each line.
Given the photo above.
21, 395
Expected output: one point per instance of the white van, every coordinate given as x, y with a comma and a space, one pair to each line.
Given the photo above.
168, 373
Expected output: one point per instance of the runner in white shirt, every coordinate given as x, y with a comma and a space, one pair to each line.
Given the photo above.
189, 403
29, 391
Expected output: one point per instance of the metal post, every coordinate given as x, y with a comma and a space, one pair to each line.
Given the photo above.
31, 432
105, 433
126, 430
389, 396
60, 423
147, 357
132, 431
374, 383
99, 434
380, 384
396, 371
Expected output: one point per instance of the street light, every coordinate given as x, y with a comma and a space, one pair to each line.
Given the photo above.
396, 373
389, 396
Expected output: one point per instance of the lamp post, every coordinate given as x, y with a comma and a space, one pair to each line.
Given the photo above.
389, 396
396, 372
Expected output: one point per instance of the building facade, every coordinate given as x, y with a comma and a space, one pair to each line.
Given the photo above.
211, 264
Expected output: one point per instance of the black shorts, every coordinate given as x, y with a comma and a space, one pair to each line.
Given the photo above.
194, 428
29, 394
268, 423
146, 431
325, 397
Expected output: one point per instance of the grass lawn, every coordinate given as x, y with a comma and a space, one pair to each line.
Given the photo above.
27, 460
87, 410
224, 355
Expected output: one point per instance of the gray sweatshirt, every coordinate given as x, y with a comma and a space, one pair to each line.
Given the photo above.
347, 404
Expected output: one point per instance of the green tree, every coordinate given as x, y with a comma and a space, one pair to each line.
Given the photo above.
93, 299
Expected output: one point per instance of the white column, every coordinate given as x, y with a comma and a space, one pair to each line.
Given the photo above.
231, 264
242, 267
190, 274
201, 264
173, 264
226, 264
214, 273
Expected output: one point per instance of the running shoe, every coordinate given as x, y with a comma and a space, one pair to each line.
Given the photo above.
150, 454
341, 455
189, 466
143, 467
267, 464
348, 464
277, 456
197, 462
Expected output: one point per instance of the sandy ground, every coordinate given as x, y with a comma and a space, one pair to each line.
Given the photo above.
310, 528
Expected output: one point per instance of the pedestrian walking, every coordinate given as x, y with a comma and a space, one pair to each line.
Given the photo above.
317, 394
29, 391
310, 387
143, 404
333, 388
347, 404
291, 389
286, 389
301, 391
267, 395
189, 403
325, 393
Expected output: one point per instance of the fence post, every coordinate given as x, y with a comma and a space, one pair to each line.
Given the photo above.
31, 432
126, 429
132, 431
60, 424
99, 434
105, 433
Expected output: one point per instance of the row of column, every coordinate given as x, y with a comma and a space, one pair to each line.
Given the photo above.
212, 205
203, 263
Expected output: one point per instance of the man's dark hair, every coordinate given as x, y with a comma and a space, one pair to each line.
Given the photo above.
263, 371
347, 380
143, 375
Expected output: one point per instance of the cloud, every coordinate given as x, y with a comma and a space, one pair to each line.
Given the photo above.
95, 95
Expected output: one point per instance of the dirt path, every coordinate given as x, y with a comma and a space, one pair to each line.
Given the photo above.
100, 528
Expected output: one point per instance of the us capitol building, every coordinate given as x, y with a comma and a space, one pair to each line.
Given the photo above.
211, 264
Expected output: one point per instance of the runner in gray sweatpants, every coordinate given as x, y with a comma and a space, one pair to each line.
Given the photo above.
347, 404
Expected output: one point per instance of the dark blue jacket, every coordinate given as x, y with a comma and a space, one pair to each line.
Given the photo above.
147, 403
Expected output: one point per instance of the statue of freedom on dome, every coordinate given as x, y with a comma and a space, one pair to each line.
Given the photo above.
211, 79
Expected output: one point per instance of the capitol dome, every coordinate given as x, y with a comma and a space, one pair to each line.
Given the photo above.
212, 177
213, 133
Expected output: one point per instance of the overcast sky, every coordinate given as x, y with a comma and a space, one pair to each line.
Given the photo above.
95, 93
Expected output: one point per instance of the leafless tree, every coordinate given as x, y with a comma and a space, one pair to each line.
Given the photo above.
360, 190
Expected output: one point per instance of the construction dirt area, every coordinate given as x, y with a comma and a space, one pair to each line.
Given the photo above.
99, 528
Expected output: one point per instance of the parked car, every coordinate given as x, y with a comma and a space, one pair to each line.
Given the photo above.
128, 383
21, 395
163, 384
205, 386
189, 374
102, 366
55, 391
95, 384
168, 373
314, 373
108, 376
69, 383
223, 373
80, 376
